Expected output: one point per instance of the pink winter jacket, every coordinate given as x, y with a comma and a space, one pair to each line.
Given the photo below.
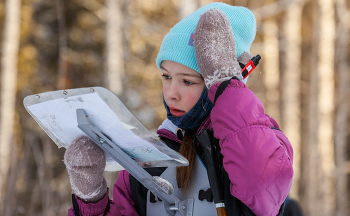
258, 159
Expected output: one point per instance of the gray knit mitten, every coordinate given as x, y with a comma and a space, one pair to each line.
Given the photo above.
85, 162
215, 48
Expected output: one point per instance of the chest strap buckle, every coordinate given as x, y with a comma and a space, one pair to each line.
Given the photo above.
208, 195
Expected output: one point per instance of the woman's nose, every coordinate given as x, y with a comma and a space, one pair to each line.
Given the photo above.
173, 91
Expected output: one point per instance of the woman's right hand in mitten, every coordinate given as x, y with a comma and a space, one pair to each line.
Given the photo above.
85, 162
215, 48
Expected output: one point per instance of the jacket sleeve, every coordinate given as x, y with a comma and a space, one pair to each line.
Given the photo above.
257, 158
122, 195
122, 203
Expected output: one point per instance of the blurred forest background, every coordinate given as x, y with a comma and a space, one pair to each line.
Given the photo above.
302, 80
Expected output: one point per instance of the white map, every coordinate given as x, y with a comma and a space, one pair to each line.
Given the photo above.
145, 153
59, 116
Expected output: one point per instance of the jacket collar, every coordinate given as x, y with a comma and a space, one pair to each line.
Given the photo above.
168, 130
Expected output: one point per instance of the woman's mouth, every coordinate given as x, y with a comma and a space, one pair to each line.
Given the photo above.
176, 112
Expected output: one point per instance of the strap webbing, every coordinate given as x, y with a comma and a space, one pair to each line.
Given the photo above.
107, 208
222, 87
75, 205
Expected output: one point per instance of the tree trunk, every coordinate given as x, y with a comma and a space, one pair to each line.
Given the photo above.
205, 2
271, 68
63, 73
342, 114
10, 46
310, 167
11, 194
325, 70
186, 7
114, 47
291, 79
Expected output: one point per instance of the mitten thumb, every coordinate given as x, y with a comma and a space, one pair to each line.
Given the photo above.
245, 58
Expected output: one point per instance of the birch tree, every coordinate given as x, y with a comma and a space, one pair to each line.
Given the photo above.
186, 7
205, 2
271, 68
342, 114
326, 101
320, 196
114, 46
63, 79
10, 46
271, 8
291, 86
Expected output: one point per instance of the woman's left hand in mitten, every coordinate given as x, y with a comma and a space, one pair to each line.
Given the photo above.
85, 162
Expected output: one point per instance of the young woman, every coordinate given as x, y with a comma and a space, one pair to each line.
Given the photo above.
198, 54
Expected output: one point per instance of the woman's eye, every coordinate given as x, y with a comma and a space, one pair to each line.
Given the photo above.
166, 76
188, 82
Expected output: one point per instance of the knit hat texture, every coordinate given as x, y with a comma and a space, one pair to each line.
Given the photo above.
177, 45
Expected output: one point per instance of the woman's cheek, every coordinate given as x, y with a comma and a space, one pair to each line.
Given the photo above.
192, 99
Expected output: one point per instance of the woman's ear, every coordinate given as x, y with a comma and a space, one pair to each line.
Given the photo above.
245, 57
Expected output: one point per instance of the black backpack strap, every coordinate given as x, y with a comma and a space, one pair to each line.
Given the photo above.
281, 211
222, 87
139, 195
107, 208
233, 205
215, 142
171, 143
76, 206
139, 192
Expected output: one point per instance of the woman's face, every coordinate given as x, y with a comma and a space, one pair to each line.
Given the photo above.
182, 87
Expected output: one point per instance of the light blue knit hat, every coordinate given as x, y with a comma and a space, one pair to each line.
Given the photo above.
177, 45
